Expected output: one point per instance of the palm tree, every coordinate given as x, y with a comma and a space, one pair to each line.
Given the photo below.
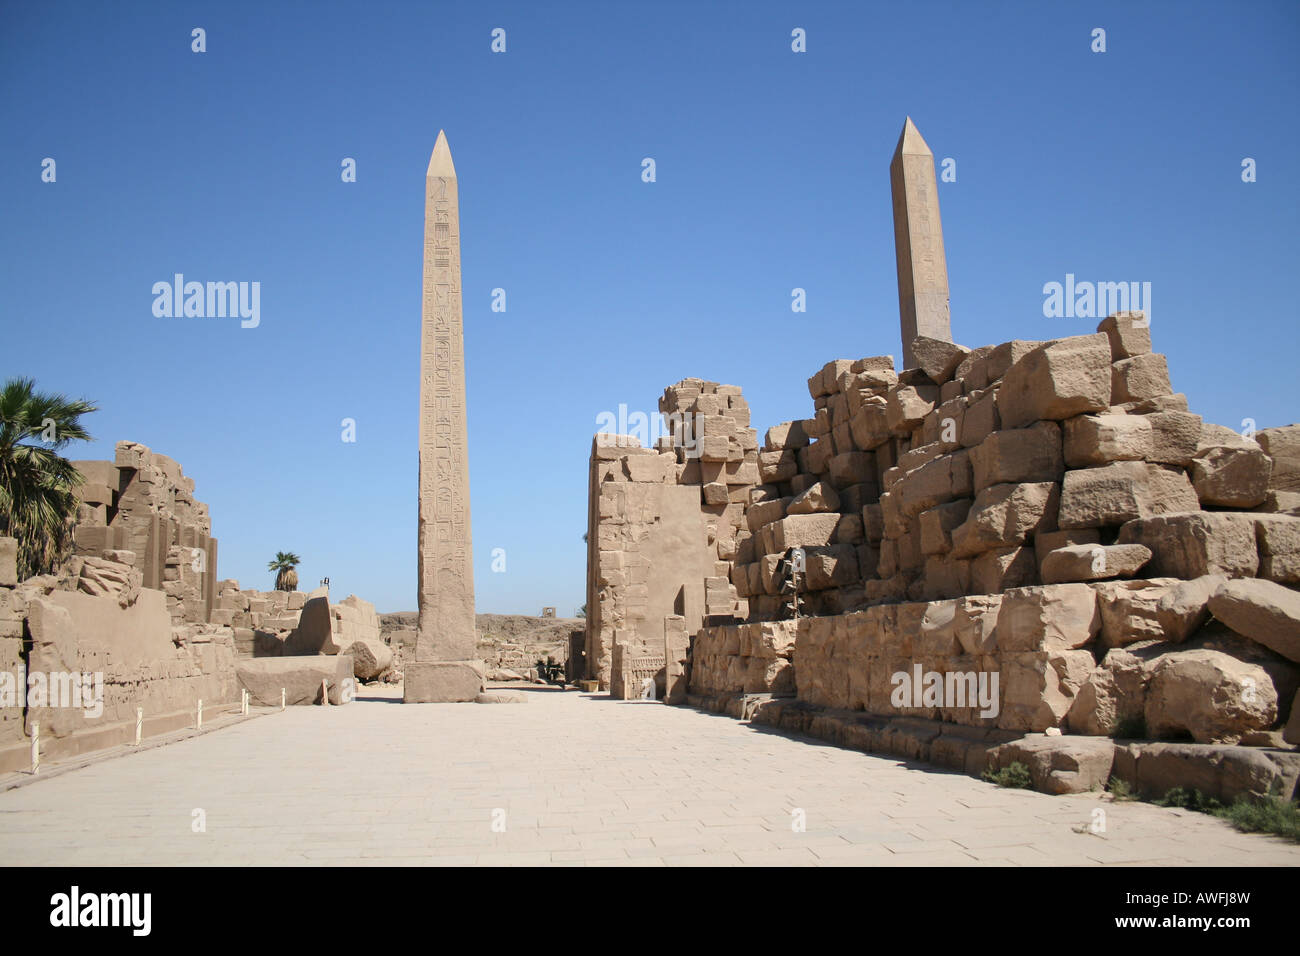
38, 501
286, 578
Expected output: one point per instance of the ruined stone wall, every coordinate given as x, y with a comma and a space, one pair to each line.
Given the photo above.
663, 526
143, 503
1047, 512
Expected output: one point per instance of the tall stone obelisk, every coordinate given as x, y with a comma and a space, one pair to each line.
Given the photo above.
918, 243
445, 668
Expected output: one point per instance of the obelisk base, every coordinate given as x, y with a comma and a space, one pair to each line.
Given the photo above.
441, 682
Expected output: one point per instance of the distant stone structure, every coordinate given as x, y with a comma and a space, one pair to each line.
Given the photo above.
444, 668
918, 243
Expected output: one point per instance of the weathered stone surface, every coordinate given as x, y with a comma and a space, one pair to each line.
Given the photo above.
299, 676
370, 657
1113, 695
1048, 617
426, 682
941, 479
1094, 562
1129, 334
1018, 455
1061, 764
1038, 687
446, 559
1211, 695
818, 498
1056, 381
1175, 436
315, 631
1231, 476
1006, 515
1120, 492
1283, 446
1140, 377
1092, 440
1263, 611
918, 244
1130, 610
937, 358
785, 435
1003, 568
1185, 607
501, 697
1192, 544
907, 406
975, 619
1278, 540
803, 531
937, 525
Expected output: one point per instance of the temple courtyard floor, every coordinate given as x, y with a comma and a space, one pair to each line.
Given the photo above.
567, 778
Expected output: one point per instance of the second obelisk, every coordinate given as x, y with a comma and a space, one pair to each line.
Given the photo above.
445, 668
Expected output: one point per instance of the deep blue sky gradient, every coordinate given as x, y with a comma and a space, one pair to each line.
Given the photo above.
772, 174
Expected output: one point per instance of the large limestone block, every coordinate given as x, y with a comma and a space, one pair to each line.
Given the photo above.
315, 631
785, 435
907, 406
1211, 695
1060, 764
803, 531
1114, 694
441, 682
370, 657
8, 562
1175, 436
941, 479
1129, 334
975, 619
1223, 772
1018, 455
869, 424
1283, 446
299, 676
1039, 687
1006, 515
937, 525
1093, 562
1120, 492
1278, 540
1263, 611
1048, 618
1092, 440
1130, 610
1059, 380
1193, 544
1231, 477
937, 358
1184, 607
1003, 568
1139, 377
817, 498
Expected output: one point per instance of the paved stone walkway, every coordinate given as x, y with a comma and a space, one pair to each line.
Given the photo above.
573, 779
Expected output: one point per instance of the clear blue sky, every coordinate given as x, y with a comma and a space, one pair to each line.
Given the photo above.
772, 172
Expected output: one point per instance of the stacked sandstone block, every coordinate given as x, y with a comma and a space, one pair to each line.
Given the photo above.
142, 502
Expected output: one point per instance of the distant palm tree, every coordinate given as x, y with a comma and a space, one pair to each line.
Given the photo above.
285, 562
38, 503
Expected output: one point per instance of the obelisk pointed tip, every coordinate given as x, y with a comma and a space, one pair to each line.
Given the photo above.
440, 164
911, 142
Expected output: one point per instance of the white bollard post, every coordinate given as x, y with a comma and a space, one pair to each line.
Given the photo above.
282, 698
36, 747
139, 724
243, 703
198, 718
324, 693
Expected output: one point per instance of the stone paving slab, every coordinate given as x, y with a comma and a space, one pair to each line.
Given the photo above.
569, 779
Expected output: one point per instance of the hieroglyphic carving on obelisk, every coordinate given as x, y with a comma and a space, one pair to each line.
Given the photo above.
445, 668
918, 243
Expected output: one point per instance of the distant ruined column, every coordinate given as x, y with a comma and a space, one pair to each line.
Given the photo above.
918, 243
445, 668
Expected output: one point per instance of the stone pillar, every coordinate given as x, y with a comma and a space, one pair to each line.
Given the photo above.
918, 243
445, 668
